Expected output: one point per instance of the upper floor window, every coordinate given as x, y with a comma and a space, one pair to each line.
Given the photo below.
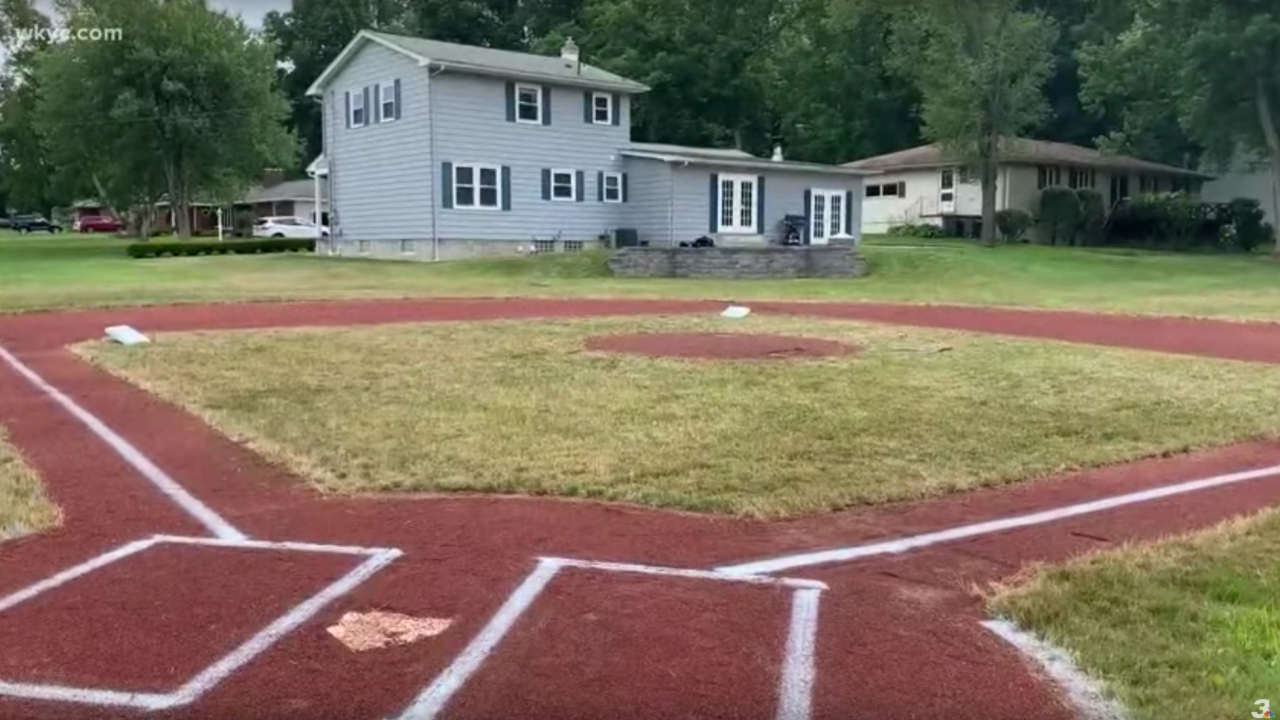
564, 185
388, 101
602, 108
355, 101
476, 186
529, 104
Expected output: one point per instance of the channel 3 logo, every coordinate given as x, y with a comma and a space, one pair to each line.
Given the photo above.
1264, 709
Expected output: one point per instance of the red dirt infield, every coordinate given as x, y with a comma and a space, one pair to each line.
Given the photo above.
897, 632
718, 346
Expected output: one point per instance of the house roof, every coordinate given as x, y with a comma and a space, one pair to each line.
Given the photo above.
481, 60
298, 190
1023, 152
731, 159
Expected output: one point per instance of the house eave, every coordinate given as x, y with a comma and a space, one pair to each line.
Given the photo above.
760, 164
317, 88
628, 87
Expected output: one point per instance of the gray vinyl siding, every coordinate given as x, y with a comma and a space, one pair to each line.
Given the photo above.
648, 207
472, 128
382, 180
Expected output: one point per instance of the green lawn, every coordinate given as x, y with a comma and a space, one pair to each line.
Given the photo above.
1186, 628
68, 270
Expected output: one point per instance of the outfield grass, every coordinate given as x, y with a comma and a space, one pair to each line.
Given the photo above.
1185, 628
23, 507
521, 408
72, 270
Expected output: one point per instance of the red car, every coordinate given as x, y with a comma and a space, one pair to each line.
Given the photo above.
98, 223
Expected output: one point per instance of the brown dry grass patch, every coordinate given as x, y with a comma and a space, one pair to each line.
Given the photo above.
513, 407
23, 506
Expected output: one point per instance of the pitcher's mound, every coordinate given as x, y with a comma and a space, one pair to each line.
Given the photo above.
719, 346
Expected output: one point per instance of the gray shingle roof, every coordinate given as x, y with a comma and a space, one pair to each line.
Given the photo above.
731, 159
1024, 152
287, 190
508, 63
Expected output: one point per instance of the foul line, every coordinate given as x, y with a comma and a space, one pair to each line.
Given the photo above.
130, 454
901, 545
1089, 697
795, 689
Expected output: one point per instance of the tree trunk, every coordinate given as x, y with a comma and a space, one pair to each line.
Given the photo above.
987, 175
1268, 120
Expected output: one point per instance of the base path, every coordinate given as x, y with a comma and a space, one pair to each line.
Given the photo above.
191, 579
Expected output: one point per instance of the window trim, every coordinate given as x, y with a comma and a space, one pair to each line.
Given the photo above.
476, 169
538, 94
827, 194
573, 185
357, 97
736, 206
609, 110
617, 176
387, 89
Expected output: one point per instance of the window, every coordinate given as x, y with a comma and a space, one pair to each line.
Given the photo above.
1047, 176
529, 104
363, 247
898, 189
612, 188
356, 103
890, 190
826, 213
573, 246
476, 186
387, 101
544, 246
601, 109
873, 191
408, 247
1078, 178
563, 185
737, 203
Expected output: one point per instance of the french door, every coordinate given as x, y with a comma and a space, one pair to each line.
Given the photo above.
826, 215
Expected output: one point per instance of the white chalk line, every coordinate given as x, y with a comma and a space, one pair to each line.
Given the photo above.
1086, 695
913, 542
689, 573
130, 454
799, 664
207, 679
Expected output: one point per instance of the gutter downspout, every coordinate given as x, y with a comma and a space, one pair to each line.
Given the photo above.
431, 128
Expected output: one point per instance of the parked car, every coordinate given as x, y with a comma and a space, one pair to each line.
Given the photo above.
97, 223
5, 223
34, 222
288, 226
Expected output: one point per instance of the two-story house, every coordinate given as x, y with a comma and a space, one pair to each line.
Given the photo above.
435, 150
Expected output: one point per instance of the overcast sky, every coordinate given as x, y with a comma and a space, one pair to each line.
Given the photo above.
251, 10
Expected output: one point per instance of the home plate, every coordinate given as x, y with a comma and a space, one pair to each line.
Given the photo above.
378, 629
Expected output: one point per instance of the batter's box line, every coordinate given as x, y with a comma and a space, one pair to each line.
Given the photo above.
795, 686
210, 677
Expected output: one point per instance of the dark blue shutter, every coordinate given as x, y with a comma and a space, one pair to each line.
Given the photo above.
848, 212
599, 187
588, 109
715, 209
578, 186
546, 184
546, 105
760, 205
624, 187
348, 96
808, 213
511, 102
397, 98
366, 106
446, 185
616, 112
506, 187
377, 102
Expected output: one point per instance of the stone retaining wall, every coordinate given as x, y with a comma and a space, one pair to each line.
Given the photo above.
808, 261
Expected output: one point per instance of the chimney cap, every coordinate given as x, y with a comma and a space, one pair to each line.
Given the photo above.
569, 51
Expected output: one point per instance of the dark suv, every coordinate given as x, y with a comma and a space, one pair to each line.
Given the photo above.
33, 223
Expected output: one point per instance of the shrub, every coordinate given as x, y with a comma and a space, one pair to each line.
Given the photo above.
916, 230
201, 247
1059, 215
1014, 224
1093, 217
1248, 222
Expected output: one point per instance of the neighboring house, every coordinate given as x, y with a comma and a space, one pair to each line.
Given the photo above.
925, 185
1245, 179
277, 196
434, 150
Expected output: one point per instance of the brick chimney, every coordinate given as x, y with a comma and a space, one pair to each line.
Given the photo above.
272, 176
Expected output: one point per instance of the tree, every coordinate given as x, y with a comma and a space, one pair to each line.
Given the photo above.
27, 178
979, 67
1220, 62
186, 102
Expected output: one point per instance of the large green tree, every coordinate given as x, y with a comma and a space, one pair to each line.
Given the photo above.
27, 178
185, 103
979, 66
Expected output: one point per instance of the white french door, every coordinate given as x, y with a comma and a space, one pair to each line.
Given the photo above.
826, 215
738, 198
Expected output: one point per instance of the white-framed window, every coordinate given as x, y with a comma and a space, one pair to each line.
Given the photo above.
529, 104
826, 213
564, 185
737, 203
602, 108
1078, 178
408, 247
1048, 176
358, 115
612, 187
574, 246
544, 246
387, 101
477, 186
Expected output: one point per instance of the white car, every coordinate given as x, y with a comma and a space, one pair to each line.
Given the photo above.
288, 226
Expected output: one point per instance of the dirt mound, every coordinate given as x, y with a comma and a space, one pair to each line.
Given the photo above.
719, 346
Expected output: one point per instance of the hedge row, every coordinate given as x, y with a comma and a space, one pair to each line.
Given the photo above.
237, 247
